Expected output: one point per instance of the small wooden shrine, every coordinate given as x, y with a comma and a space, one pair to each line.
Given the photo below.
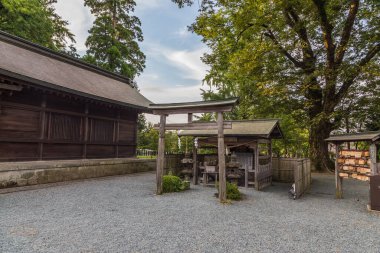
353, 163
250, 141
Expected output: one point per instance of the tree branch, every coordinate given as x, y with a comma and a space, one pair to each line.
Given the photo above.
327, 32
347, 84
346, 33
296, 24
270, 35
249, 25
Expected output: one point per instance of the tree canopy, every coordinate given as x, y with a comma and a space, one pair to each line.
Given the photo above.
292, 58
36, 21
113, 40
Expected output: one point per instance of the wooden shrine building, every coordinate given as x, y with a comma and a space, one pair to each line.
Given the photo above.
53, 106
250, 141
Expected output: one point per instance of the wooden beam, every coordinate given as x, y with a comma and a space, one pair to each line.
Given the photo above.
195, 126
160, 155
338, 179
264, 141
11, 87
221, 160
205, 109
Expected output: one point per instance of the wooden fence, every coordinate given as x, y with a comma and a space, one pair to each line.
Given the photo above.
302, 177
283, 169
287, 170
146, 152
291, 170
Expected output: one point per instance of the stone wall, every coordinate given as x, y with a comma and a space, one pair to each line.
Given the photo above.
41, 172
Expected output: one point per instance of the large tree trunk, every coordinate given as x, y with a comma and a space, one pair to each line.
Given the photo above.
320, 126
319, 155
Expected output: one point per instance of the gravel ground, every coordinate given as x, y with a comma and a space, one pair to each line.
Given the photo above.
121, 214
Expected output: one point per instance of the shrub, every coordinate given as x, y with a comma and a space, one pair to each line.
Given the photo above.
233, 192
172, 183
186, 185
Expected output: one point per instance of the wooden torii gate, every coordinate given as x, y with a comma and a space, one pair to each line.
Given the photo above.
217, 106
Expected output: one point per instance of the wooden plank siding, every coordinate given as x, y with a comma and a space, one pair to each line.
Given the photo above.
40, 125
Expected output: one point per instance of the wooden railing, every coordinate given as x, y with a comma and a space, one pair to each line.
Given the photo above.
264, 176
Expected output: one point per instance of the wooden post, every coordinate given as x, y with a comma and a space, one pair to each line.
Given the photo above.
189, 118
160, 155
338, 179
43, 126
373, 158
85, 139
309, 171
1, 97
195, 167
117, 133
256, 162
270, 160
221, 160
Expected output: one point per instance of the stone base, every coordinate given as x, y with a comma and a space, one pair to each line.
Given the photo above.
372, 210
14, 174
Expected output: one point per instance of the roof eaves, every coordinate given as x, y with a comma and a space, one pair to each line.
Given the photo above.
64, 89
354, 137
279, 129
23, 43
376, 137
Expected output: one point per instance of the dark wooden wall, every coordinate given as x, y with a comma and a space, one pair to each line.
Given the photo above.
42, 125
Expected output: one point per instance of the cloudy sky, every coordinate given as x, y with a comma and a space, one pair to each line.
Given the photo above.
174, 71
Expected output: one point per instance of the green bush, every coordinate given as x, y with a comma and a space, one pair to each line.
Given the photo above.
233, 192
172, 183
186, 185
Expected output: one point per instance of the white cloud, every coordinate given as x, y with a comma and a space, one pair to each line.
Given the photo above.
147, 4
171, 94
79, 17
183, 32
187, 61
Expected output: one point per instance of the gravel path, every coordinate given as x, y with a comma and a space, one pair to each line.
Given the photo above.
121, 214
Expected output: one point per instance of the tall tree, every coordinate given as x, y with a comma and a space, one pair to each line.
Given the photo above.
113, 40
313, 53
36, 21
